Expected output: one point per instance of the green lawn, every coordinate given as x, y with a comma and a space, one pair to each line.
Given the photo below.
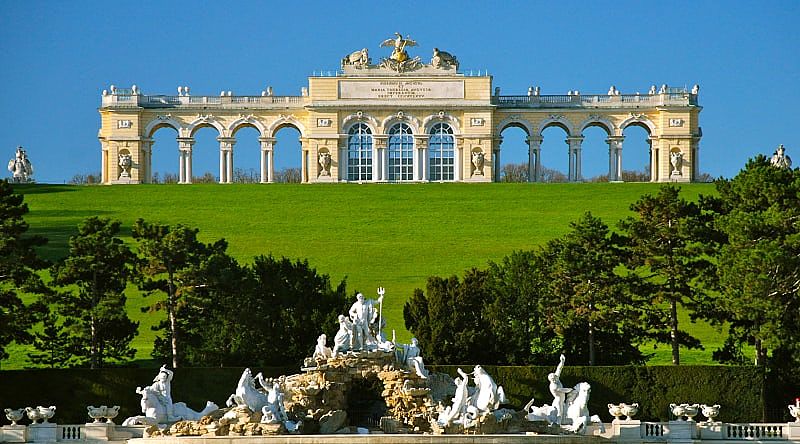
374, 235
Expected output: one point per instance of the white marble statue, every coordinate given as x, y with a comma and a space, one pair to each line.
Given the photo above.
342, 342
411, 356
780, 159
577, 415
274, 411
459, 407
125, 163
246, 394
157, 405
322, 351
363, 314
676, 162
488, 395
558, 390
20, 167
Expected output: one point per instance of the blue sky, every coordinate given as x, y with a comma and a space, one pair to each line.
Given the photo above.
58, 57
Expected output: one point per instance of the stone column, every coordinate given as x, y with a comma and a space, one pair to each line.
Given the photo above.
458, 159
653, 160
380, 160
343, 163
534, 158
615, 158
267, 145
185, 159
226, 159
146, 162
105, 168
421, 145
575, 158
495, 160
695, 148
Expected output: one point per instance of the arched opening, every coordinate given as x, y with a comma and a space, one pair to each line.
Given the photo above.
401, 153
441, 153
205, 154
555, 153
164, 155
359, 153
365, 405
636, 165
247, 152
594, 152
288, 154
513, 154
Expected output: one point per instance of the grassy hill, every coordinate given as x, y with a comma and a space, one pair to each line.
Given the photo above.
374, 235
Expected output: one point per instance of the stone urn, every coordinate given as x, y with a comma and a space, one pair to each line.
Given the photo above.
97, 413
710, 412
678, 410
691, 411
629, 410
111, 413
33, 414
794, 411
615, 410
14, 415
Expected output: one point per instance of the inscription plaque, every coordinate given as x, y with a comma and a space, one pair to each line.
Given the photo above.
401, 89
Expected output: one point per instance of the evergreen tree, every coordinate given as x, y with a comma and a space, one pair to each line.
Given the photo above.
53, 344
168, 254
93, 278
592, 307
758, 272
18, 262
667, 244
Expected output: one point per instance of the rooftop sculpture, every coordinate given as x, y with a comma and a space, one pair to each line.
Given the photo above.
20, 167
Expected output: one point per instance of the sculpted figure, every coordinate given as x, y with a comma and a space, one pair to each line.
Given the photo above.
358, 59
157, 405
442, 59
322, 351
342, 342
676, 161
460, 398
399, 43
780, 159
246, 394
125, 162
413, 358
557, 390
488, 395
477, 162
578, 411
362, 314
325, 163
20, 167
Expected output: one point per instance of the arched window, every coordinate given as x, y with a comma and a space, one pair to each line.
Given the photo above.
401, 153
441, 152
359, 153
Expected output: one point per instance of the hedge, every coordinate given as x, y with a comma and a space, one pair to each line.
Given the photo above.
737, 389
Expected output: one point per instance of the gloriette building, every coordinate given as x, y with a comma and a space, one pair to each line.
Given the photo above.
401, 119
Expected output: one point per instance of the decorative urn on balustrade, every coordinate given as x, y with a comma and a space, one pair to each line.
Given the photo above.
14, 415
710, 412
629, 410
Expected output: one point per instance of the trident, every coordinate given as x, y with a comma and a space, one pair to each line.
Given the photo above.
381, 292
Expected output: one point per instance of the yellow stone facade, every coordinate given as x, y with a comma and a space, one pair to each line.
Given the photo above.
426, 122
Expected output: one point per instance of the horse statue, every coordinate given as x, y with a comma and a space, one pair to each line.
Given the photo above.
488, 394
155, 412
246, 394
577, 408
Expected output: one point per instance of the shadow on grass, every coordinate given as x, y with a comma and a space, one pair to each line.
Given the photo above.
58, 232
32, 188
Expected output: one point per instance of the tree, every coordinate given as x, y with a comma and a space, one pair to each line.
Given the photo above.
666, 248
53, 344
167, 254
266, 314
93, 278
758, 272
592, 306
18, 265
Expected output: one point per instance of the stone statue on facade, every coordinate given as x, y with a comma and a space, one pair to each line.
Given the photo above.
676, 162
324, 163
442, 59
125, 163
20, 167
477, 162
357, 59
780, 159
157, 405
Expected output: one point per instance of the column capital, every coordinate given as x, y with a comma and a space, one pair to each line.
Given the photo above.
230, 140
185, 143
536, 140
574, 139
267, 139
615, 139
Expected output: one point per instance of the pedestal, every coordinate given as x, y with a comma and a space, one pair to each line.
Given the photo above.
682, 430
97, 431
627, 430
710, 430
793, 430
45, 432
14, 433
